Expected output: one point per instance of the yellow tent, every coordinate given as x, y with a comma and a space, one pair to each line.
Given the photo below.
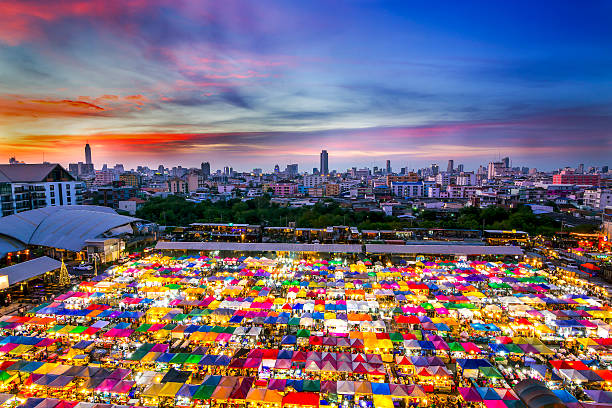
383, 401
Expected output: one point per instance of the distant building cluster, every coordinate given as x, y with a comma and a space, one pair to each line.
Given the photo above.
580, 191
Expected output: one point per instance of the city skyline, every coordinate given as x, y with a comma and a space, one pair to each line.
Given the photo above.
253, 84
324, 169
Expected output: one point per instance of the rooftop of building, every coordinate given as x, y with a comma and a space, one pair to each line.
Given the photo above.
65, 227
29, 173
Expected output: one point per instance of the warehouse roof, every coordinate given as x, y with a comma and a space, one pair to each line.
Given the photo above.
443, 249
29, 269
343, 248
66, 227
8, 244
258, 247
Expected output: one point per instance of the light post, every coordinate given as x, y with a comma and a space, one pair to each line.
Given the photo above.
96, 259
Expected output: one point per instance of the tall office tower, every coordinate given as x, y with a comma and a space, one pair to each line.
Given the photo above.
324, 163
604, 169
459, 168
226, 171
506, 161
87, 154
276, 169
292, 169
388, 166
205, 169
451, 166
434, 169
581, 168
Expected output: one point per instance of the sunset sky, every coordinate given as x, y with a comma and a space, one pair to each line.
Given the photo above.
256, 83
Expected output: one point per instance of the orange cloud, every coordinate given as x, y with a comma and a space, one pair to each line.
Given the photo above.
37, 108
19, 107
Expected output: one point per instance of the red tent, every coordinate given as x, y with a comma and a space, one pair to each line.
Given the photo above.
304, 399
590, 266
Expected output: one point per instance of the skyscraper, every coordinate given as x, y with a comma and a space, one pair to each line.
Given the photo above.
451, 166
205, 169
88, 154
292, 169
434, 169
506, 161
324, 163
388, 166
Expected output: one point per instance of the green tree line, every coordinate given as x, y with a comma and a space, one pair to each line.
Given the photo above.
177, 211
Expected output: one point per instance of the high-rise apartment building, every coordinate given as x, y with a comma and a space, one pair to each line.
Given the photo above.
88, 154
292, 169
29, 186
451, 166
205, 167
496, 169
324, 165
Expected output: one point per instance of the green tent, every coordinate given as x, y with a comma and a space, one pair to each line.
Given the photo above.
37, 308
294, 321
303, 333
427, 306
490, 372
138, 355
143, 327
204, 392
455, 346
513, 348
56, 328
146, 347
193, 359
78, 330
311, 386
4, 376
179, 358
396, 337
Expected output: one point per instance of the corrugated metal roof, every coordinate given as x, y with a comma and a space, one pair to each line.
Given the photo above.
30, 269
8, 244
258, 247
443, 249
65, 227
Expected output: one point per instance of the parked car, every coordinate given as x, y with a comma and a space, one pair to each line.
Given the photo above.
83, 267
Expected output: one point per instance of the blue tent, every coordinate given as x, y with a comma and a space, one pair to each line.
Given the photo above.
380, 388
289, 339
